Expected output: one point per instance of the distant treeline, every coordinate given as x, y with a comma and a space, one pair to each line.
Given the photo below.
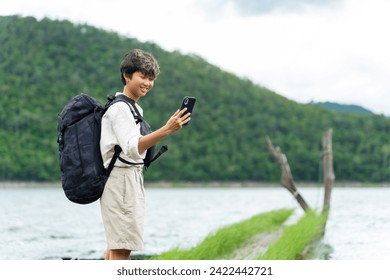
342, 108
43, 64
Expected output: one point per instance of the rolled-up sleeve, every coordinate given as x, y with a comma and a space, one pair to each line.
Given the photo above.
119, 128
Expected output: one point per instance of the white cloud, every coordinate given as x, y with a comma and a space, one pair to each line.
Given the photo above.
337, 55
318, 52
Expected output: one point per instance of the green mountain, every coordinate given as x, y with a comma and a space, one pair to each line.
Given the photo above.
342, 108
43, 64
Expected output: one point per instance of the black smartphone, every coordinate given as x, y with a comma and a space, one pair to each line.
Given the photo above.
188, 102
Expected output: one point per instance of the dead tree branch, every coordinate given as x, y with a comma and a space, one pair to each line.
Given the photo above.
287, 180
329, 176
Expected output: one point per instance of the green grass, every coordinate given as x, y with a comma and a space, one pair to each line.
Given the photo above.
227, 239
296, 238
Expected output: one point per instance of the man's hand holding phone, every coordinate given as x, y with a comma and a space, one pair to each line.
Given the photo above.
182, 116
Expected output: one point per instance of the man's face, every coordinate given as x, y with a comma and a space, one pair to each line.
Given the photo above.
138, 85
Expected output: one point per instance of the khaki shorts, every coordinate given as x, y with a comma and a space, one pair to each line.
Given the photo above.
123, 208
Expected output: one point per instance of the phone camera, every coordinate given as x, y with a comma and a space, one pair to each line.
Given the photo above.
185, 101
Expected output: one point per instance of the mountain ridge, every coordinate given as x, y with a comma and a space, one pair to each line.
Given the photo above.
44, 63
342, 108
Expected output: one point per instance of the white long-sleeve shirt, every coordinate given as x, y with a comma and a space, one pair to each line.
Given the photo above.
119, 128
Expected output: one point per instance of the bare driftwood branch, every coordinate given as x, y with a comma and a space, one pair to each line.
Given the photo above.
287, 180
329, 176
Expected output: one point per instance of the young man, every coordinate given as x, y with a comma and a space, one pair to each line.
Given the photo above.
122, 202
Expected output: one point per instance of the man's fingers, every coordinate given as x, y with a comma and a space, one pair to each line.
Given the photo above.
186, 116
182, 111
186, 121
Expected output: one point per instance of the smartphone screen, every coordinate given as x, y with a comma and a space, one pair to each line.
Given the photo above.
188, 102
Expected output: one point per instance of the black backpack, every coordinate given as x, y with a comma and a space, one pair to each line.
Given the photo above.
83, 175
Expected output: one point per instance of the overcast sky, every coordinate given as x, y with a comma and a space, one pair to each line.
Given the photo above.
306, 50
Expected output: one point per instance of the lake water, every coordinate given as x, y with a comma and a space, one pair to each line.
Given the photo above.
40, 223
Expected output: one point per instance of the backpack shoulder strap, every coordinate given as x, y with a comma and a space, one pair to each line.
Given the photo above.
123, 98
118, 150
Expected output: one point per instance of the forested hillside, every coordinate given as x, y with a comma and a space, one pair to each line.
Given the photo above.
43, 64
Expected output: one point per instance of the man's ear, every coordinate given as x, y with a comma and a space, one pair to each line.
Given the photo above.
126, 77
123, 78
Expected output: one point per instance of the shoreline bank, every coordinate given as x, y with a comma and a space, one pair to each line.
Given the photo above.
212, 184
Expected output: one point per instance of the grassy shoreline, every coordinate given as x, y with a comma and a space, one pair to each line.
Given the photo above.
263, 237
225, 241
